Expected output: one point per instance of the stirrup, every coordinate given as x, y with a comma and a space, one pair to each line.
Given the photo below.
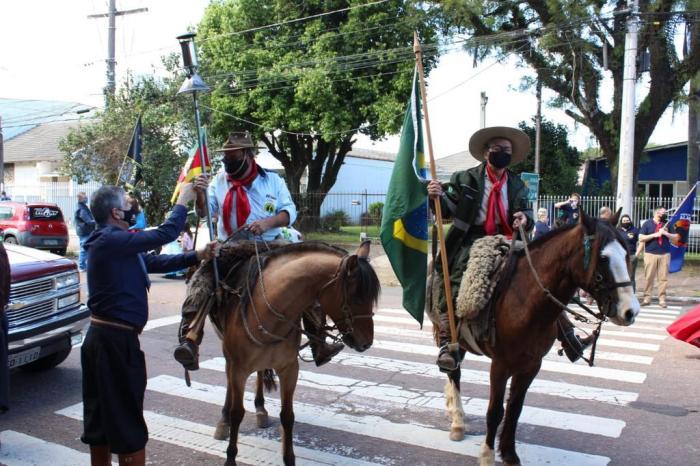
323, 352
574, 347
187, 355
448, 358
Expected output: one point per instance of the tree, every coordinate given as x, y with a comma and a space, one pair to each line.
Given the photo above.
564, 42
559, 162
306, 88
95, 151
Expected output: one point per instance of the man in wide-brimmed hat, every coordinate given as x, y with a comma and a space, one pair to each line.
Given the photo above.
488, 199
250, 203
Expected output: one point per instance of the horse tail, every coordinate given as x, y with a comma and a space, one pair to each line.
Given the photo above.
269, 380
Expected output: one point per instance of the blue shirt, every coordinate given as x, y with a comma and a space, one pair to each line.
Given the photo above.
268, 196
652, 246
631, 236
540, 229
118, 267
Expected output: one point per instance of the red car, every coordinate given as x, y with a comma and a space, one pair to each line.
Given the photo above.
45, 314
36, 225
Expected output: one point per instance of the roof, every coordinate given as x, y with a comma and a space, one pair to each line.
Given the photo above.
39, 143
371, 154
21, 115
459, 161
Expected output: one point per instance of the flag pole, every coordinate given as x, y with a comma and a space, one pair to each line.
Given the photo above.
438, 210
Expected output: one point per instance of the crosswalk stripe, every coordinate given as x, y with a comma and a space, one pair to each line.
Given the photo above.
162, 322
395, 394
630, 334
332, 417
619, 357
651, 320
19, 449
472, 376
547, 365
200, 437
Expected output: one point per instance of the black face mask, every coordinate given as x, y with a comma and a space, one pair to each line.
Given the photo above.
626, 225
663, 218
236, 168
129, 217
500, 159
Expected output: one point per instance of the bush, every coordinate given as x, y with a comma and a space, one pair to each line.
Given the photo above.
334, 220
375, 211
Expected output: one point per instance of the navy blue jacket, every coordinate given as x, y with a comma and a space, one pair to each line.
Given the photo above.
117, 267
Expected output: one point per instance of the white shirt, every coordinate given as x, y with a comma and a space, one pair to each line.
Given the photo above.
481, 216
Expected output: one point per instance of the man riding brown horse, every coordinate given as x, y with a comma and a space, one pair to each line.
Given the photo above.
488, 199
251, 203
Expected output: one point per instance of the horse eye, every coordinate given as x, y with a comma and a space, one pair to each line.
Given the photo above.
599, 277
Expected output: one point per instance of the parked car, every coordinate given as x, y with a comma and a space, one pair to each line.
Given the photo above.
46, 316
36, 225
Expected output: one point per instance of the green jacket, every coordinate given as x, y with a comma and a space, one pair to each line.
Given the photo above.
462, 200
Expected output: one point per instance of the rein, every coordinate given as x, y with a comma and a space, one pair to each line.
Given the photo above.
601, 318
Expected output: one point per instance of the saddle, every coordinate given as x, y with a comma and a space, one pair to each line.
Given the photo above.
474, 304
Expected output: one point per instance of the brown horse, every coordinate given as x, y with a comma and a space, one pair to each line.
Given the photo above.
590, 255
262, 331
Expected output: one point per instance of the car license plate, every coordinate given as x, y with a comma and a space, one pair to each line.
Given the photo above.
23, 357
50, 242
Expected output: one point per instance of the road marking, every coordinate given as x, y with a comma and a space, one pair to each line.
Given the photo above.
394, 394
162, 322
200, 437
650, 320
19, 449
630, 334
471, 376
547, 365
337, 418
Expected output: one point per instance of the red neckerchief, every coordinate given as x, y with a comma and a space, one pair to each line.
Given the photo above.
496, 206
660, 239
242, 202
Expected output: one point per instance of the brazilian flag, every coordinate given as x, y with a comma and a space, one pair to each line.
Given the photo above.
404, 231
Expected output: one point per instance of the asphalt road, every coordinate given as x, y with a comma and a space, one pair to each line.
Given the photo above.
638, 406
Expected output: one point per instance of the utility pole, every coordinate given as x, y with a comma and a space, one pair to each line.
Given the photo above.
2, 158
538, 126
112, 30
484, 101
693, 111
625, 166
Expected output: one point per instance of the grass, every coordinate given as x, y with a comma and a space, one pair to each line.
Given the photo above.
347, 234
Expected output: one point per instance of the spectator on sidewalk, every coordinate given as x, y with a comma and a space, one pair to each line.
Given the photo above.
84, 226
631, 234
139, 215
605, 213
569, 208
656, 236
4, 197
542, 223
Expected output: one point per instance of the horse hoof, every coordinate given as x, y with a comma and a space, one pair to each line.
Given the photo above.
487, 457
222, 431
457, 434
262, 420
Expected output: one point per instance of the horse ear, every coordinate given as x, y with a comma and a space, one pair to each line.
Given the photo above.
588, 222
616, 217
363, 250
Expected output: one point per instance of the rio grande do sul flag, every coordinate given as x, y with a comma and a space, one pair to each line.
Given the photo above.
681, 221
404, 230
193, 166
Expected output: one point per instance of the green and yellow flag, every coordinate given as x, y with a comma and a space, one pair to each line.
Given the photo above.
404, 231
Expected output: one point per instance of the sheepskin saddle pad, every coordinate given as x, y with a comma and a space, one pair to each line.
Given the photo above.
486, 257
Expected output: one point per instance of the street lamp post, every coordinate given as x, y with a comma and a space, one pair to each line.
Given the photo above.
192, 85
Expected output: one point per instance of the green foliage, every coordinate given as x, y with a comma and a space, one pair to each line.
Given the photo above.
96, 150
332, 221
375, 210
559, 162
322, 80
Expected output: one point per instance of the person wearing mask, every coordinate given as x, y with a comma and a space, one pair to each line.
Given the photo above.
569, 208
488, 199
542, 223
113, 365
631, 234
139, 215
84, 226
656, 236
250, 203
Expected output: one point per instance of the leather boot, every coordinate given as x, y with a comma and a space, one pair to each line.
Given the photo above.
187, 352
321, 351
572, 344
138, 458
100, 455
446, 361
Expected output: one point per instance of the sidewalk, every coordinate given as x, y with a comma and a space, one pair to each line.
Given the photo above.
683, 286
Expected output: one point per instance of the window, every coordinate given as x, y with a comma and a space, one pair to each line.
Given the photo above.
5, 213
657, 189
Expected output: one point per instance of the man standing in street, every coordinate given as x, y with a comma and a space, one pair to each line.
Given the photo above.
251, 203
84, 226
114, 368
485, 200
656, 236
